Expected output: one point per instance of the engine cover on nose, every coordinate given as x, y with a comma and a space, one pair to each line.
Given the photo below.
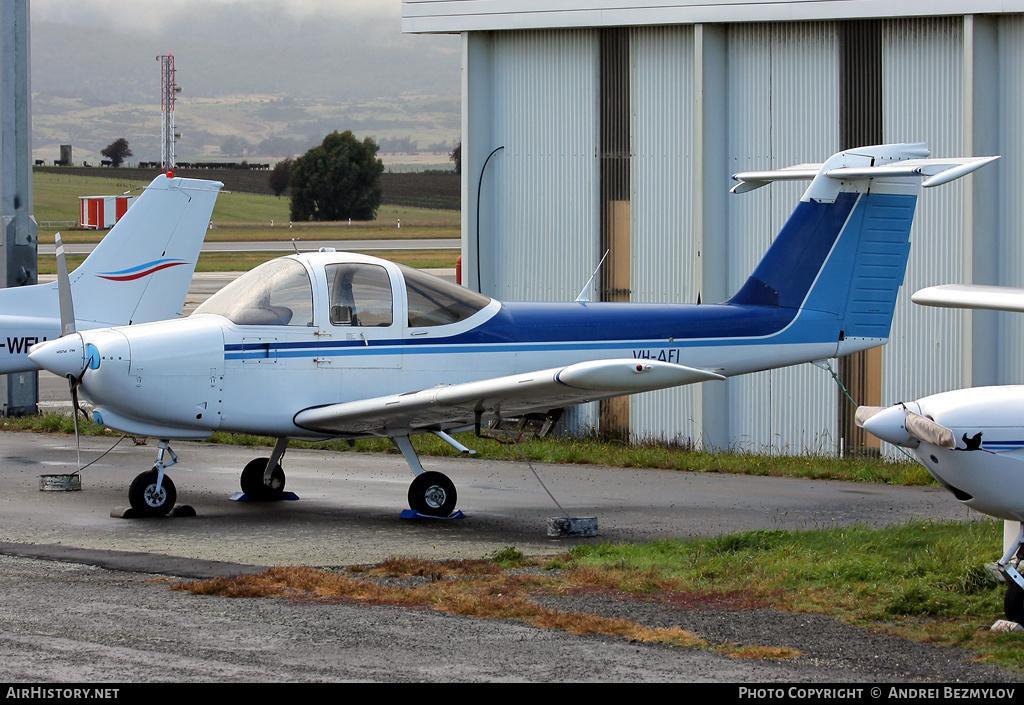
168, 373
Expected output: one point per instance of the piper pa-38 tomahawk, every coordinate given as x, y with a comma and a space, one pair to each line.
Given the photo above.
139, 272
337, 345
971, 440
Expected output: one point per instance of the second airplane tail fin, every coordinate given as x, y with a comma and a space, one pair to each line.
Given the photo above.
844, 249
142, 269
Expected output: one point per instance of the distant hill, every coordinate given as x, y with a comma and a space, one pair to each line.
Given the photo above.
278, 92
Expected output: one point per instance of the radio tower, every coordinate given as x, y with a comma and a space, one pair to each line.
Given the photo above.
168, 91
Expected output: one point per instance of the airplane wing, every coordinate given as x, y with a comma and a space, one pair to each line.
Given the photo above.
995, 298
457, 405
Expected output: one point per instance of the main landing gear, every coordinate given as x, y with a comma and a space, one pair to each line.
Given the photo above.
152, 493
263, 479
1008, 565
431, 493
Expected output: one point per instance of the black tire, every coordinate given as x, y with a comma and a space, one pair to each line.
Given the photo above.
144, 498
252, 481
1013, 603
432, 494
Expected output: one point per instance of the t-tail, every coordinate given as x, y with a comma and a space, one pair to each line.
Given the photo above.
140, 271
843, 252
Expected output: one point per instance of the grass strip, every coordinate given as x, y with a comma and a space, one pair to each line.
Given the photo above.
585, 451
922, 581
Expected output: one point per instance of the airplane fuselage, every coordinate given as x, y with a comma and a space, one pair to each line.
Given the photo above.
17, 335
986, 468
254, 379
334, 344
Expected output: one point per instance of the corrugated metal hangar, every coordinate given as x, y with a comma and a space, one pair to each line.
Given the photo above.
594, 125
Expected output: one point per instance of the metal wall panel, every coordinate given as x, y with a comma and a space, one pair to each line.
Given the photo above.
922, 77
665, 266
783, 104
784, 109
545, 223
782, 91
1011, 205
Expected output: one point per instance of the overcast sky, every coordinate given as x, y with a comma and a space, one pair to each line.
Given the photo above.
152, 14
249, 44
262, 22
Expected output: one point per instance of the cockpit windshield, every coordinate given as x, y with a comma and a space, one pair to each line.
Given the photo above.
436, 302
276, 293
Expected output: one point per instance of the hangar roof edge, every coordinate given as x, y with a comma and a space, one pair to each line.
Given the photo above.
452, 16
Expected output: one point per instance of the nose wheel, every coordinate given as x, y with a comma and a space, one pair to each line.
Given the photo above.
152, 493
151, 497
1013, 603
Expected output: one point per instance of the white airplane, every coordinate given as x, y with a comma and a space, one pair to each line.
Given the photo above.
338, 345
971, 440
139, 272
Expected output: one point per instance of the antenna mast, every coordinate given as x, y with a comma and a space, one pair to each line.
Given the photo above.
168, 92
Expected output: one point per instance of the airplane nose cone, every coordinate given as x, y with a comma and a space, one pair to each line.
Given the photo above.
63, 356
889, 424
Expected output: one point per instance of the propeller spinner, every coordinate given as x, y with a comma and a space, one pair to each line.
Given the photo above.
902, 426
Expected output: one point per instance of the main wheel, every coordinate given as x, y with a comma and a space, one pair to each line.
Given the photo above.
432, 494
144, 496
1013, 603
253, 485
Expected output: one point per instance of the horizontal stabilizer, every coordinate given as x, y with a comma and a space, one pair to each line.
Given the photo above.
995, 298
750, 180
457, 405
937, 171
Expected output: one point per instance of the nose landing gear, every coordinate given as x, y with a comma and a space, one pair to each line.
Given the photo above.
152, 493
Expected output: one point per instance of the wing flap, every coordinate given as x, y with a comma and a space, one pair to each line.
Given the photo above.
459, 404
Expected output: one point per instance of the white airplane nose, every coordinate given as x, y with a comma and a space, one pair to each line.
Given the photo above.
890, 424
63, 356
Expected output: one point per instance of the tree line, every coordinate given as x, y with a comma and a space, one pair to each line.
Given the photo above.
339, 179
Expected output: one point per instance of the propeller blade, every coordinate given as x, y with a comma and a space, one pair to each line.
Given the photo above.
74, 415
924, 429
67, 304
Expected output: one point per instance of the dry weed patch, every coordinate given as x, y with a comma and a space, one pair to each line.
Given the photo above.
478, 589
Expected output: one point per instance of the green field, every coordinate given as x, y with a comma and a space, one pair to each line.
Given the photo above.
244, 217
56, 199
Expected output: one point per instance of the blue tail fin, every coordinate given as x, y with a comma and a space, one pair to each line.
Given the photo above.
844, 250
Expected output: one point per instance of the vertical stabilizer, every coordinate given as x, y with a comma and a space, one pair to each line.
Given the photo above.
845, 248
142, 269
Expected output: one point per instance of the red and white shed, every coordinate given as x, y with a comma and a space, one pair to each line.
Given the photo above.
101, 212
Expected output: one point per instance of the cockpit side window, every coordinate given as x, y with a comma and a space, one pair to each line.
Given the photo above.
360, 295
277, 293
436, 302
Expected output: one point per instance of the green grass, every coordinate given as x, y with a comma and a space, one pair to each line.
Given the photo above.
922, 580
586, 451
56, 199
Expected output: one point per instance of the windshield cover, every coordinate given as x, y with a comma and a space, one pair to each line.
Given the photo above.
276, 293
